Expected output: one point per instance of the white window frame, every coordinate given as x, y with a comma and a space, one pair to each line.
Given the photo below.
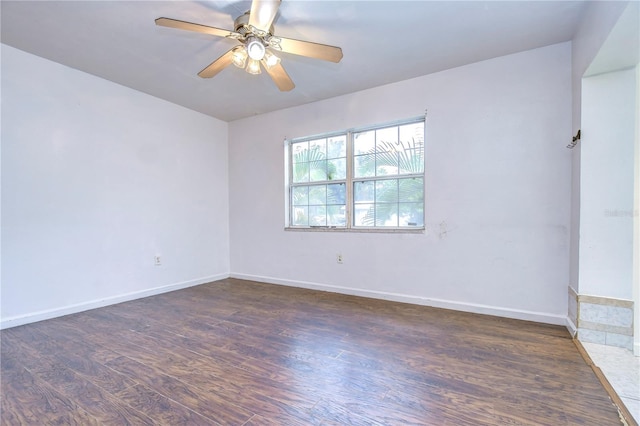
350, 181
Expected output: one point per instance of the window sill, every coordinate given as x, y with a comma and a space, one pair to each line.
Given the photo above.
415, 230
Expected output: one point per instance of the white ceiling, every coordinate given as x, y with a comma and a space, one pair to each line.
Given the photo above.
382, 42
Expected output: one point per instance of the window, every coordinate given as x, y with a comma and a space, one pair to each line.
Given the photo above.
369, 178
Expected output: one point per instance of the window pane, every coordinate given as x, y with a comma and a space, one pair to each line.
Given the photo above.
318, 195
336, 216
364, 165
387, 214
337, 169
387, 191
386, 139
300, 216
318, 170
411, 189
364, 143
364, 215
301, 172
411, 214
386, 163
319, 146
336, 194
413, 134
299, 160
337, 147
317, 216
300, 196
411, 161
387, 151
412, 140
297, 150
363, 192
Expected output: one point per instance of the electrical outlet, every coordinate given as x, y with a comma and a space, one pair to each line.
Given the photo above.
157, 260
339, 258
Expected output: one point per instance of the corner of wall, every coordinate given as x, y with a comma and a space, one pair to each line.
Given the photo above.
572, 313
99, 303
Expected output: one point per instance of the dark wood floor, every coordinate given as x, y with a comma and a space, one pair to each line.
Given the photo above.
242, 353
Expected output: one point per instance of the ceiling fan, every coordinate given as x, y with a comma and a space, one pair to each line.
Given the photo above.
254, 30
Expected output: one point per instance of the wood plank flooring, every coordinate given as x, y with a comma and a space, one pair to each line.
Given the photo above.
236, 352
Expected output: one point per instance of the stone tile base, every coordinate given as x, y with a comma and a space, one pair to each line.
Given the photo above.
602, 320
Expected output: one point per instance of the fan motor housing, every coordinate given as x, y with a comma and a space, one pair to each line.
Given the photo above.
241, 25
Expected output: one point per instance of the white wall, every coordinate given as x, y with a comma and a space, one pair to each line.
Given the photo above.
596, 24
96, 180
607, 182
497, 191
636, 224
607, 42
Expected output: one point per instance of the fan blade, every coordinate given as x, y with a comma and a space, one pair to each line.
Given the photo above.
188, 26
279, 77
312, 50
262, 14
218, 65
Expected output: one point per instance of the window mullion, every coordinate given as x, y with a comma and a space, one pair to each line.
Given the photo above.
349, 181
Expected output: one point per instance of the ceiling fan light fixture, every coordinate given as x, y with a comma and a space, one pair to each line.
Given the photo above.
239, 58
255, 48
254, 33
270, 60
253, 67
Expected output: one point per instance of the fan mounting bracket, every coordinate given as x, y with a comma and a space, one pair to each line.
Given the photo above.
242, 27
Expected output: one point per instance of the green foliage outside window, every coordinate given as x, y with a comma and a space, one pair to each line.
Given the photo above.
387, 187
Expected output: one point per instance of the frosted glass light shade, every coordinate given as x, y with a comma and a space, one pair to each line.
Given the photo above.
270, 60
255, 49
239, 58
253, 67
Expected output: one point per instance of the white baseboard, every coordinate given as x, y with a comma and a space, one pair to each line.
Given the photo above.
396, 297
85, 306
416, 300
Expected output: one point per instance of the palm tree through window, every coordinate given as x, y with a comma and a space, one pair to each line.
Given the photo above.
368, 178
